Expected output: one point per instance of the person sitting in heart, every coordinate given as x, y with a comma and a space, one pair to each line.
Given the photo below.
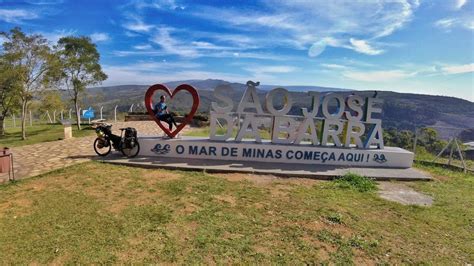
161, 112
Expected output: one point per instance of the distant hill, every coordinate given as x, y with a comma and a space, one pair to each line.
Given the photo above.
302, 88
449, 115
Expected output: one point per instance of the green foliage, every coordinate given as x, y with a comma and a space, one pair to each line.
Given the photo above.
32, 59
403, 139
335, 217
9, 90
50, 100
79, 66
79, 61
428, 138
355, 182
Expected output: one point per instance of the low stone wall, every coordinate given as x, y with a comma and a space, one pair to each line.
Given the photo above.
179, 119
137, 117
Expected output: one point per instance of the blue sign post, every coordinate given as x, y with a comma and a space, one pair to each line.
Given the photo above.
89, 113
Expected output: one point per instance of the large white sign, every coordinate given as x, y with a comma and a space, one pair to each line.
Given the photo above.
351, 123
202, 148
335, 130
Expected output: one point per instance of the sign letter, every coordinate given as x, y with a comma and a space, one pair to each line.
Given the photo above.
286, 125
333, 133
250, 99
213, 134
222, 93
250, 120
288, 102
340, 106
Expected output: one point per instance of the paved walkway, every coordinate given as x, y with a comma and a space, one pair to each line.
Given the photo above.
32, 160
403, 194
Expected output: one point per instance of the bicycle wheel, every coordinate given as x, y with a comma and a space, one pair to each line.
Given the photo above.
133, 151
102, 146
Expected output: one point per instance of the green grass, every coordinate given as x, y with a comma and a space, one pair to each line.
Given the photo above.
99, 213
39, 133
423, 155
355, 182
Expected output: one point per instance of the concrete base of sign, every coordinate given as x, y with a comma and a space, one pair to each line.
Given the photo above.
266, 152
276, 169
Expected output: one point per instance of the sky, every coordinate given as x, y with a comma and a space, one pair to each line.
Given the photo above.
416, 46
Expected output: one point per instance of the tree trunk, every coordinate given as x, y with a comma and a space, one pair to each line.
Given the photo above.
78, 114
2, 129
23, 119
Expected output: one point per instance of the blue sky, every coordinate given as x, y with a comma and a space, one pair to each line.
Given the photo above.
401, 45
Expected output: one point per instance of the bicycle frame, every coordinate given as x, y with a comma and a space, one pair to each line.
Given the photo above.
105, 132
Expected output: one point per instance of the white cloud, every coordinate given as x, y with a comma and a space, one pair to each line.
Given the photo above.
133, 12
45, 2
252, 55
157, 4
271, 69
313, 24
360, 46
364, 47
394, 18
171, 45
130, 75
138, 26
333, 66
17, 15
150, 52
445, 23
215, 54
131, 34
235, 40
142, 47
377, 76
458, 69
161, 66
210, 46
466, 22
172, 42
135, 24
460, 3
355, 25
100, 37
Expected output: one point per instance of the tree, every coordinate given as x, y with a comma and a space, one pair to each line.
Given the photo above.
429, 139
402, 139
50, 100
80, 67
9, 91
32, 59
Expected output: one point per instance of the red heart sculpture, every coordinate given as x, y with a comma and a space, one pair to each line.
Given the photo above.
183, 87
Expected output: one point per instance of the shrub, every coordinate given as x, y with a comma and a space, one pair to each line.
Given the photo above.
335, 218
355, 182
